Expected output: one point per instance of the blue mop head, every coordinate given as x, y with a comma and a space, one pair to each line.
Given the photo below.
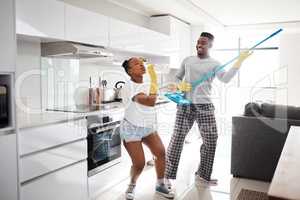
178, 98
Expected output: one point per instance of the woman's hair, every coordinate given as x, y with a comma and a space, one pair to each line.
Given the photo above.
125, 65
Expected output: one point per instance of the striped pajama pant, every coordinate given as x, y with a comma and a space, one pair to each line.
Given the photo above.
204, 116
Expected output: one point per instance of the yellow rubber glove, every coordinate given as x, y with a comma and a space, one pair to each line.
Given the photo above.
153, 79
184, 86
243, 56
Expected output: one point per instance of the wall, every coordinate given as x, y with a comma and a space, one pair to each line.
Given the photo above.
289, 57
28, 80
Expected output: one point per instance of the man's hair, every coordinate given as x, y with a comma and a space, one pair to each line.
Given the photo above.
208, 35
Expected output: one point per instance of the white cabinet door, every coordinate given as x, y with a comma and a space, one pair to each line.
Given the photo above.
40, 163
8, 166
42, 18
155, 43
67, 183
125, 36
86, 26
179, 46
7, 36
49, 136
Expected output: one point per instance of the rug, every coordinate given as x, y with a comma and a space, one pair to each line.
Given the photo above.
252, 195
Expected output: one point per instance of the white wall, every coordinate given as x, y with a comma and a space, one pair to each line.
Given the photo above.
28, 65
289, 57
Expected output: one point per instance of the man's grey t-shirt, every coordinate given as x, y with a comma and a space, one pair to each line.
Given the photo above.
194, 68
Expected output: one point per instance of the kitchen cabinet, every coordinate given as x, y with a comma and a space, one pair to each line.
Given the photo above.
53, 161
180, 34
67, 183
41, 18
125, 36
129, 37
49, 136
43, 162
8, 166
7, 36
86, 26
155, 43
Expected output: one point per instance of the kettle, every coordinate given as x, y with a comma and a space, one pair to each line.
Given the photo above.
118, 87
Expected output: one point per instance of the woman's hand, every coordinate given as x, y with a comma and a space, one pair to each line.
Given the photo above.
153, 79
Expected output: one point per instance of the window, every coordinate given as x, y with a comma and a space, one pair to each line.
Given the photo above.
259, 69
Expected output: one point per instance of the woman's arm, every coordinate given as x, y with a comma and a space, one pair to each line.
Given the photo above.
146, 100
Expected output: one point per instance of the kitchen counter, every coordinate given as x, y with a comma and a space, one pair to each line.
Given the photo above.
59, 115
26, 120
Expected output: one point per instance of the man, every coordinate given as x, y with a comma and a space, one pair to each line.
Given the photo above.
200, 110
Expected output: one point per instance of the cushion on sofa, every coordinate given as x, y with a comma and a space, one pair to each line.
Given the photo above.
252, 109
280, 111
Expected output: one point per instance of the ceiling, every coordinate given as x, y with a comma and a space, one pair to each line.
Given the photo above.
225, 13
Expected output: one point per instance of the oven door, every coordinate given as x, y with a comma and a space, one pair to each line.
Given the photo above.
3, 106
104, 148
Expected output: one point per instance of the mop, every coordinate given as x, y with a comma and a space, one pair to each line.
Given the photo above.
179, 97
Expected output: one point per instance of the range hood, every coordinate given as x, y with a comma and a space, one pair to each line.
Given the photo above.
73, 50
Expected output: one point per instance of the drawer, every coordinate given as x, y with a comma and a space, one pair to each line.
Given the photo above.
43, 162
41, 138
67, 183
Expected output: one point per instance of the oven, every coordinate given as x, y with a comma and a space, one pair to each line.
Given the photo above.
104, 143
3, 106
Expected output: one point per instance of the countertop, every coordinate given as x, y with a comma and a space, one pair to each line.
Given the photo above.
31, 120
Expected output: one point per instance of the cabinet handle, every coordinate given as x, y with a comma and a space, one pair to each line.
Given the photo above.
7, 132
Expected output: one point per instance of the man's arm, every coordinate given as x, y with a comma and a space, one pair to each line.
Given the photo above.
227, 76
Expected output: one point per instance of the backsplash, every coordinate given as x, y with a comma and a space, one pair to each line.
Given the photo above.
28, 77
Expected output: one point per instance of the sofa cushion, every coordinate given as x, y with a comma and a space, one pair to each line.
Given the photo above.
280, 111
252, 109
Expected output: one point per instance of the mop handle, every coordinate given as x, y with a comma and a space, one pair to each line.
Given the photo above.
212, 73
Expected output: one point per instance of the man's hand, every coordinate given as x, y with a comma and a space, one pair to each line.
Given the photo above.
184, 86
243, 56
172, 87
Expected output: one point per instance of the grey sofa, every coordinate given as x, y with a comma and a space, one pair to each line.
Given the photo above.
258, 139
